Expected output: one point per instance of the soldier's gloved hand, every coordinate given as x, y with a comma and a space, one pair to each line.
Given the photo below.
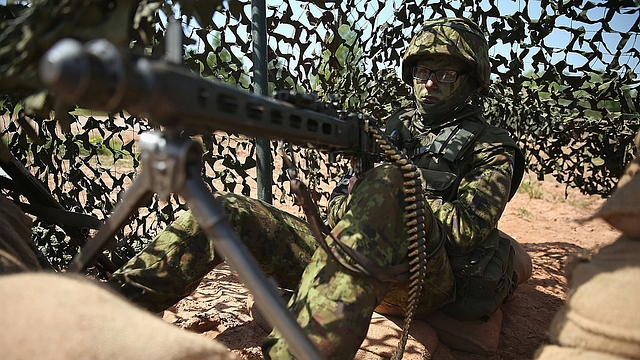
345, 184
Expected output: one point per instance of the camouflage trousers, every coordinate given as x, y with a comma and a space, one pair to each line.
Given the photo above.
332, 305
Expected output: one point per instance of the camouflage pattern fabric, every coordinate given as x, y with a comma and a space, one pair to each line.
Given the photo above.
173, 264
483, 177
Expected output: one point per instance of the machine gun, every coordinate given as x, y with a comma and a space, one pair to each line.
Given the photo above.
99, 76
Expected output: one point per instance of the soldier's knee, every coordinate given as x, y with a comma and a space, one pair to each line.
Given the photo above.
388, 174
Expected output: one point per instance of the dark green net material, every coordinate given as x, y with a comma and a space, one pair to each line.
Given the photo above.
564, 83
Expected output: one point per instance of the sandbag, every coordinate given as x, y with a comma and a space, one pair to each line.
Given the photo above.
602, 311
555, 352
61, 317
601, 317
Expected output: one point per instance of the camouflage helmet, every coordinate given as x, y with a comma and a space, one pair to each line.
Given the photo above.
457, 37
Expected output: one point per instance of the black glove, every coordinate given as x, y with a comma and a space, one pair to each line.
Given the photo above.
343, 184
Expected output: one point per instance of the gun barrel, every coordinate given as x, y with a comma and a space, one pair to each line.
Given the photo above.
98, 76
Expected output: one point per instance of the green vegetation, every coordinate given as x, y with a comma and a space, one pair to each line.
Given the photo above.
533, 190
523, 214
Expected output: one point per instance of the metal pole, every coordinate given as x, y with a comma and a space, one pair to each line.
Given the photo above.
261, 86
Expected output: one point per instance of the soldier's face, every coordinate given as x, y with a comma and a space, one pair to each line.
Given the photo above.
431, 91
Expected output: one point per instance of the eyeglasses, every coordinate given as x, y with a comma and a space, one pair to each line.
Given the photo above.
444, 76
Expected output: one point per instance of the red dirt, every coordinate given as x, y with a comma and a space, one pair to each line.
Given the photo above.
540, 217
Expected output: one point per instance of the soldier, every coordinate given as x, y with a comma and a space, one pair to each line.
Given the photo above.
469, 169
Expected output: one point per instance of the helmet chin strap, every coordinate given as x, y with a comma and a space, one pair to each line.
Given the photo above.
445, 109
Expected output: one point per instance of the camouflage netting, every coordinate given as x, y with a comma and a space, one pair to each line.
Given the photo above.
565, 83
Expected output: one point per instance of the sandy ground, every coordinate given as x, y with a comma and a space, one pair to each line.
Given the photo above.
542, 217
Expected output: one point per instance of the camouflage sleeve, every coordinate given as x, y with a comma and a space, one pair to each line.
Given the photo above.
336, 208
483, 194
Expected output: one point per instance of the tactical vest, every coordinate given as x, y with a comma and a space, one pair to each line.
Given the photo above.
440, 153
483, 278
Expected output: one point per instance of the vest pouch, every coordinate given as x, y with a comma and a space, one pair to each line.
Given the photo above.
483, 279
439, 183
437, 289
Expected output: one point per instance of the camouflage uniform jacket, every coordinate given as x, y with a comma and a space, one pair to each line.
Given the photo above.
471, 169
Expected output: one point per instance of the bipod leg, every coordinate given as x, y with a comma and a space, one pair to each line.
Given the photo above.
174, 164
210, 215
158, 173
138, 193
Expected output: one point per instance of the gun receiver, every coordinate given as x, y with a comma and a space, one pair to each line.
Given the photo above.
100, 77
